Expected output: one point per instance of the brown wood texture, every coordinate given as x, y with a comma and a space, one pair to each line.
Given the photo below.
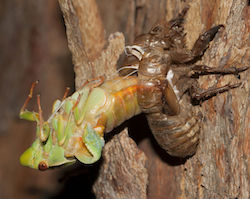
123, 172
86, 41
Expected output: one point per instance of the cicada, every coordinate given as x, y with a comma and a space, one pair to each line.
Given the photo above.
166, 90
77, 123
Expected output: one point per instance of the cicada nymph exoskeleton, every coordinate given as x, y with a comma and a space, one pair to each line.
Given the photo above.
168, 87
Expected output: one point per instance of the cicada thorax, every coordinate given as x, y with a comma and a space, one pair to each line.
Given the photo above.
151, 81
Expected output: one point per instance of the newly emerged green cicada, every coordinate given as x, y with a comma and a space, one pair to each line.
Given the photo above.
77, 124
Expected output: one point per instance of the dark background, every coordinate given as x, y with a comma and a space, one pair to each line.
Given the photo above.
33, 46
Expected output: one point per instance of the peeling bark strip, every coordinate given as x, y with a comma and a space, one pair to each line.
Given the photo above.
84, 25
105, 64
123, 173
86, 41
90, 24
75, 43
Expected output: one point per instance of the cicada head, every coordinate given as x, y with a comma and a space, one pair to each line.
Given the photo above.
66, 135
44, 155
150, 43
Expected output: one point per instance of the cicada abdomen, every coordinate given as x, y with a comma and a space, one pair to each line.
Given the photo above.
168, 87
76, 126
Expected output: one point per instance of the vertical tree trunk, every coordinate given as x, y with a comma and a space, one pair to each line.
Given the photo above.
219, 169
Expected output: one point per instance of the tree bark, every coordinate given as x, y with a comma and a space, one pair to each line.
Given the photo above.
219, 169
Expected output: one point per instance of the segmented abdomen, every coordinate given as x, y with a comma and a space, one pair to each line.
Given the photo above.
121, 101
177, 132
178, 136
173, 122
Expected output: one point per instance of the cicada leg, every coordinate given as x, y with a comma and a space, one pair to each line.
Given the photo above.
198, 70
170, 101
66, 93
39, 110
198, 95
201, 44
43, 130
93, 143
95, 82
203, 41
24, 113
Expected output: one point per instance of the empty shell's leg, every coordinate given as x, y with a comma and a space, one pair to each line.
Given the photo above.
199, 70
170, 102
198, 95
201, 44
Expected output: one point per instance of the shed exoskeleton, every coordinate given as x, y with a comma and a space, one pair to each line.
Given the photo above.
168, 86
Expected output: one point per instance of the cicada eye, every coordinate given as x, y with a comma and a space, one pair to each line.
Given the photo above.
43, 166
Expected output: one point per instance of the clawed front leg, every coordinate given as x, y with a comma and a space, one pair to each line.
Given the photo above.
199, 70
187, 56
199, 95
202, 42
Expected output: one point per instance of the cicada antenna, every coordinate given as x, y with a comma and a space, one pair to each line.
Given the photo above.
127, 67
135, 71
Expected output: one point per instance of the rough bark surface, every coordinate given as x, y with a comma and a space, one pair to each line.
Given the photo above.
219, 169
86, 41
123, 171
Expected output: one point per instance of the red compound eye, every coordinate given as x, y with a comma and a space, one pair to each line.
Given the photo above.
42, 166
